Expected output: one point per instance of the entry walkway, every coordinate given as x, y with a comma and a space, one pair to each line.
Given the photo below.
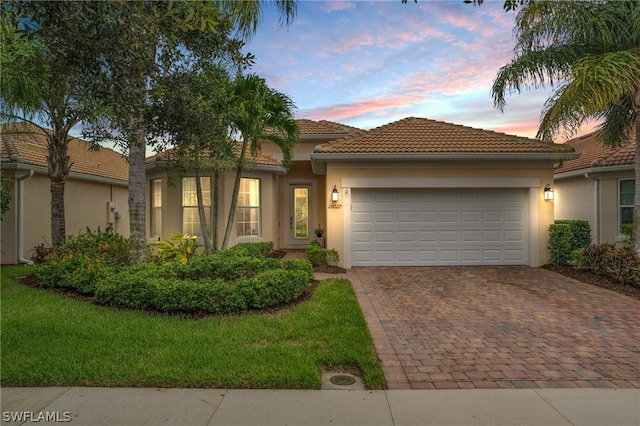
498, 327
139, 406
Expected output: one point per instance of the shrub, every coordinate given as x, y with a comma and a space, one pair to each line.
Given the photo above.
260, 249
620, 263
198, 287
627, 230
319, 256
566, 236
105, 246
226, 265
179, 248
75, 271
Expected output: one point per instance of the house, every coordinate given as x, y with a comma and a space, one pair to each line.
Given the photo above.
599, 186
412, 192
96, 194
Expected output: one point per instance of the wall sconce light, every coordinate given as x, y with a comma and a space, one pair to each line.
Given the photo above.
548, 193
334, 194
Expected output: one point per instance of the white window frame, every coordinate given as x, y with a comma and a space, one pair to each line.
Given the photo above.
620, 205
155, 208
206, 188
240, 208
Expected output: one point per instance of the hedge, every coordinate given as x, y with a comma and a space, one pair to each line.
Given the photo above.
566, 236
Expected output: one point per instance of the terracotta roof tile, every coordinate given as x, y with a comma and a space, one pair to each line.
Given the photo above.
260, 159
26, 143
594, 154
325, 127
424, 135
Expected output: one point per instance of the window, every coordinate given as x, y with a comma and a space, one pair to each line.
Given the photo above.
248, 210
626, 193
190, 217
156, 208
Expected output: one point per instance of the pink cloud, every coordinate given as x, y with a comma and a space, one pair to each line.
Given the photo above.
332, 6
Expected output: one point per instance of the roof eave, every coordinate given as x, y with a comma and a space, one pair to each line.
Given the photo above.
319, 159
594, 170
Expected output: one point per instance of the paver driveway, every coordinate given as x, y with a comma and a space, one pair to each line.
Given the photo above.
497, 327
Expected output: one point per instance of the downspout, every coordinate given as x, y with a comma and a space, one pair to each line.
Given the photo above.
21, 197
596, 200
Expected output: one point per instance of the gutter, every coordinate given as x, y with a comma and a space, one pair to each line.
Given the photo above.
21, 198
590, 170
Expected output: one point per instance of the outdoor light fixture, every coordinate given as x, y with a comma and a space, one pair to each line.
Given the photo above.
548, 193
334, 194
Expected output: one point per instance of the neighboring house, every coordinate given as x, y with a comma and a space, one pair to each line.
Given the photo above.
599, 187
412, 192
96, 194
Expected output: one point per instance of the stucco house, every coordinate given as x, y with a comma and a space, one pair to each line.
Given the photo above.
96, 191
599, 187
412, 192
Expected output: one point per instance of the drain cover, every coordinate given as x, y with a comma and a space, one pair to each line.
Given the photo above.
342, 380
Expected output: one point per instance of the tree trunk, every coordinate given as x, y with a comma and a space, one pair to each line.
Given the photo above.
137, 193
201, 214
234, 197
216, 209
58, 162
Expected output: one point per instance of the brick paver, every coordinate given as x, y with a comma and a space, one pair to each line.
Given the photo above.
498, 327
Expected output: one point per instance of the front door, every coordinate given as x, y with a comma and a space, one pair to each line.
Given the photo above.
300, 215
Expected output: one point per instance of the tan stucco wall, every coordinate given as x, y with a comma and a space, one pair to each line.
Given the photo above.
85, 206
172, 204
500, 172
576, 198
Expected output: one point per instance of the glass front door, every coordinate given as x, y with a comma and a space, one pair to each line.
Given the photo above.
300, 215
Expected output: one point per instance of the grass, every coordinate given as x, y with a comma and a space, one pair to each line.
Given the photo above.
52, 340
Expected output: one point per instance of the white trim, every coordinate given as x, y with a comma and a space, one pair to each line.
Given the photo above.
346, 223
440, 183
533, 237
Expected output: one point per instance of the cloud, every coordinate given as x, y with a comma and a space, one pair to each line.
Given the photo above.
337, 5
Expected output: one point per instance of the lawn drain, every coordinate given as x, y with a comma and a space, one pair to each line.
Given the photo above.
342, 380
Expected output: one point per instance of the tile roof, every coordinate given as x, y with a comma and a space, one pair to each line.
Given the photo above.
594, 154
325, 127
27, 144
260, 159
423, 135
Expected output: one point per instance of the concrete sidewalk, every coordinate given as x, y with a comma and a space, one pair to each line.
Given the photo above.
156, 406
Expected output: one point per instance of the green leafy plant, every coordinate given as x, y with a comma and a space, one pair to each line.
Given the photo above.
318, 231
566, 236
105, 246
319, 256
626, 229
620, 263
179, 248
6, 193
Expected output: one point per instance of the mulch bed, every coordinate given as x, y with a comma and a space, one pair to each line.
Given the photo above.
595, 279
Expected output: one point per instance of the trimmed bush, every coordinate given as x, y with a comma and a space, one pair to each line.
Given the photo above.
72, 271
566, 236
319, 256
260, 249
620, 263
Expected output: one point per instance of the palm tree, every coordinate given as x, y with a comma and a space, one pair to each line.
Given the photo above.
590, 51
263, 114
41, 84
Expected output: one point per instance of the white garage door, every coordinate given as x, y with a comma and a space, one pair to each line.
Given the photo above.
438, 227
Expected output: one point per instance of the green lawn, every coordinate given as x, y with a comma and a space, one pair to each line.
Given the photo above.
52, 340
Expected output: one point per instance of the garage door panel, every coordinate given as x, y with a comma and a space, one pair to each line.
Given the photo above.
438, 227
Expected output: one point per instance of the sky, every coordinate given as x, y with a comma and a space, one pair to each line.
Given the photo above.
369, 63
